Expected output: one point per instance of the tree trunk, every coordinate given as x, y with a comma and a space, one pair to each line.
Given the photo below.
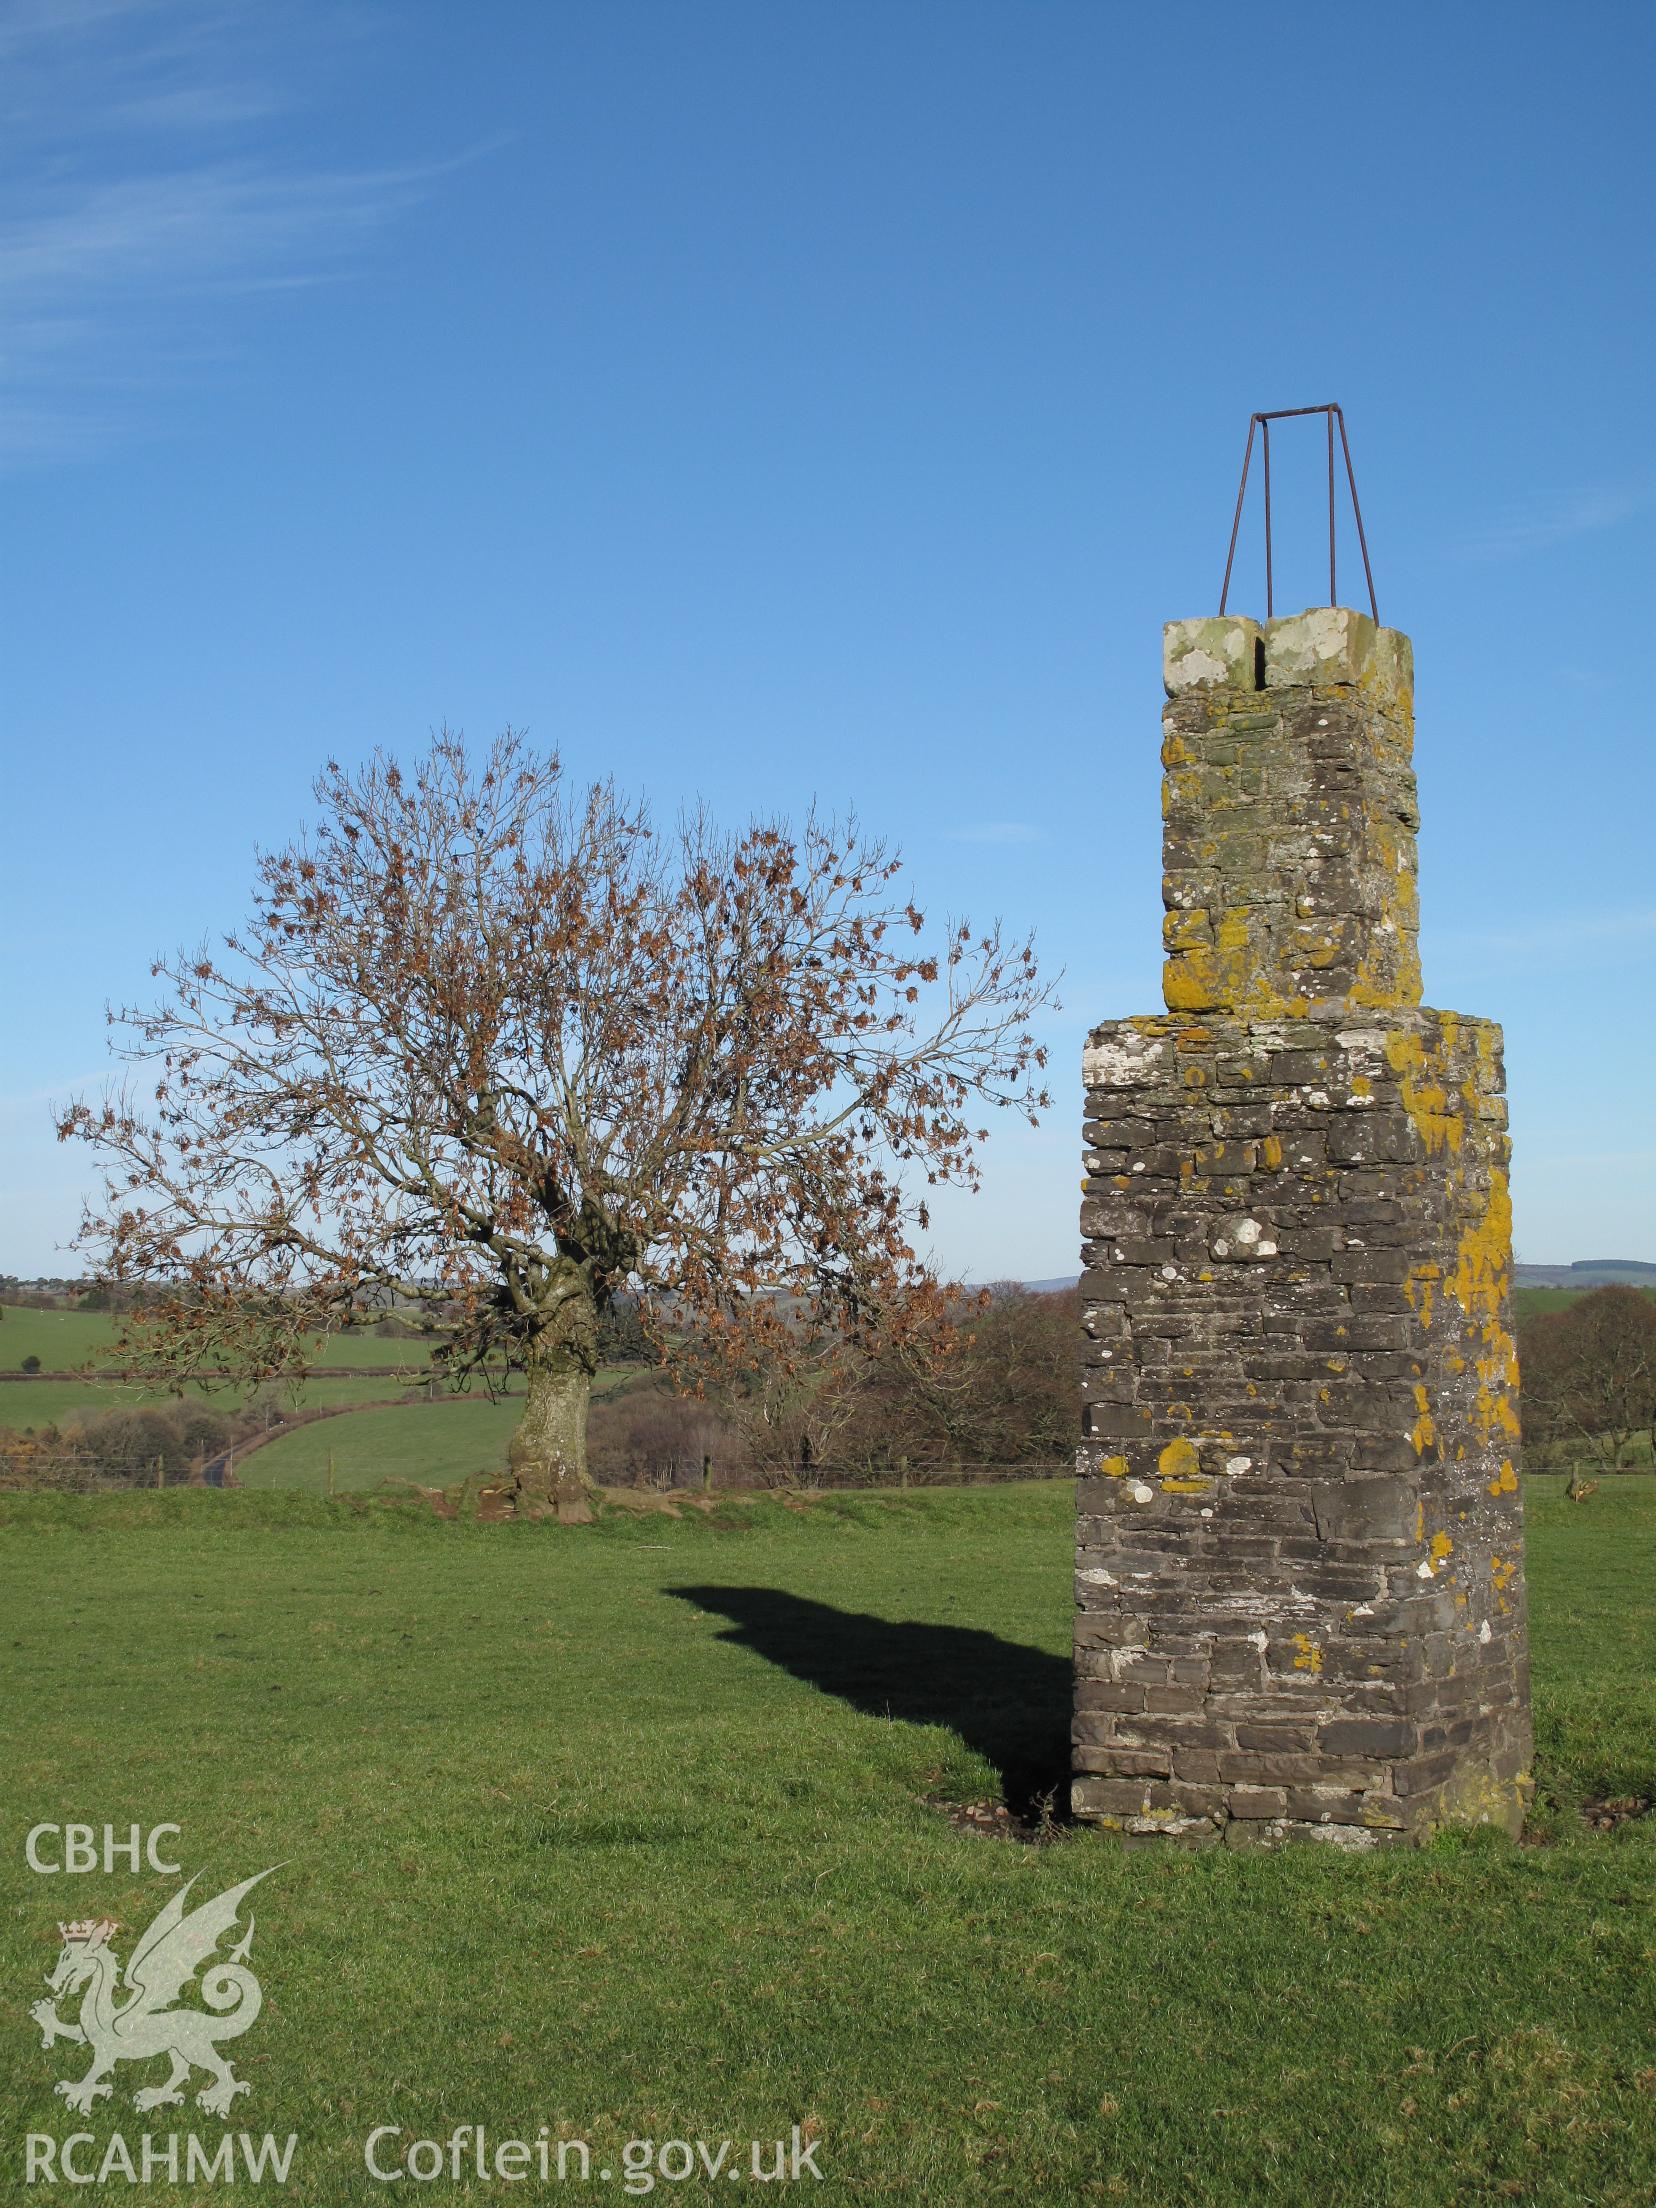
548, 1456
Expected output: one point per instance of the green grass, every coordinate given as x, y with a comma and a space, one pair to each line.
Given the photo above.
66, 1340
434, 1445
40, 1403
1529, 1302
60, 1339
626, 1829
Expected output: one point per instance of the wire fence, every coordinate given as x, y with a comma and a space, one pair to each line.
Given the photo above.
792, 1479
66, 1470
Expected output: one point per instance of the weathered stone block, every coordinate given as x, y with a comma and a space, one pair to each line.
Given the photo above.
1336, 644
1226, 650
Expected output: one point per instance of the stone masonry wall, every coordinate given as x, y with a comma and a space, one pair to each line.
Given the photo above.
1289, 818
1299, 1574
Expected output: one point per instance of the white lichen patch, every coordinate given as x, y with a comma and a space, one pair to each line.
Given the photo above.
1210, 650
1126, 1061
1242, 1236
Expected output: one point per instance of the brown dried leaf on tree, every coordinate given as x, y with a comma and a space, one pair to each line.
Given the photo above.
500, 1051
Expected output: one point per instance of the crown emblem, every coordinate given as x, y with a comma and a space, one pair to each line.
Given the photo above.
86, 1928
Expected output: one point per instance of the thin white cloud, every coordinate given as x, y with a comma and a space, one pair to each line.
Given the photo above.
1537, 523
145, 208
996, 831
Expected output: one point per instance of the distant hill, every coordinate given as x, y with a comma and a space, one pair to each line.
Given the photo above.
1586, 1272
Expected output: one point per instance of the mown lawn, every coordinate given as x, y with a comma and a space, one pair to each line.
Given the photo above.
628, 1830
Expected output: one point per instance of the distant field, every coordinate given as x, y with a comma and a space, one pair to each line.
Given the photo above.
434, 1445
38, 1403
58, 1338
1530, 1302
66, 1339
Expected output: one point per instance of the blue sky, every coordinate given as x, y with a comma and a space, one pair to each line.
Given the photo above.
788, 399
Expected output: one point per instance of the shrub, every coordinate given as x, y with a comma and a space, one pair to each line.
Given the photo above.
651, 1437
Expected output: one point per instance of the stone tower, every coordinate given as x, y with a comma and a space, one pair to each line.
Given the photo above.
1300, 1548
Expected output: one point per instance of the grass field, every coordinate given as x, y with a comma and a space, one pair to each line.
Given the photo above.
1530, 1302
39, 1403
628, 1830
66, 1340
432, 1444
465, 1435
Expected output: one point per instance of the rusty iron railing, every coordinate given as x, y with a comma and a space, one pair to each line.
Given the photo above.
1262, 423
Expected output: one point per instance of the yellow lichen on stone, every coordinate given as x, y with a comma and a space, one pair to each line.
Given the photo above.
1506, 1481
1493, 1410
1186, 931
1425, 1094
1502, 1572
1482, 1272
1421, 1288
1179, 1461
1310, 1656
1424, 1432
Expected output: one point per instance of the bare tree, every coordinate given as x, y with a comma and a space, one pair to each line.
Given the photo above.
1590, 1373
502, 1050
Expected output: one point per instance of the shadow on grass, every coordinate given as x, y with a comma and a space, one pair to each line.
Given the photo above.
1010, 1703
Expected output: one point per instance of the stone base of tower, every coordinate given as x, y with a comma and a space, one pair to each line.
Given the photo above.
1299, 1570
